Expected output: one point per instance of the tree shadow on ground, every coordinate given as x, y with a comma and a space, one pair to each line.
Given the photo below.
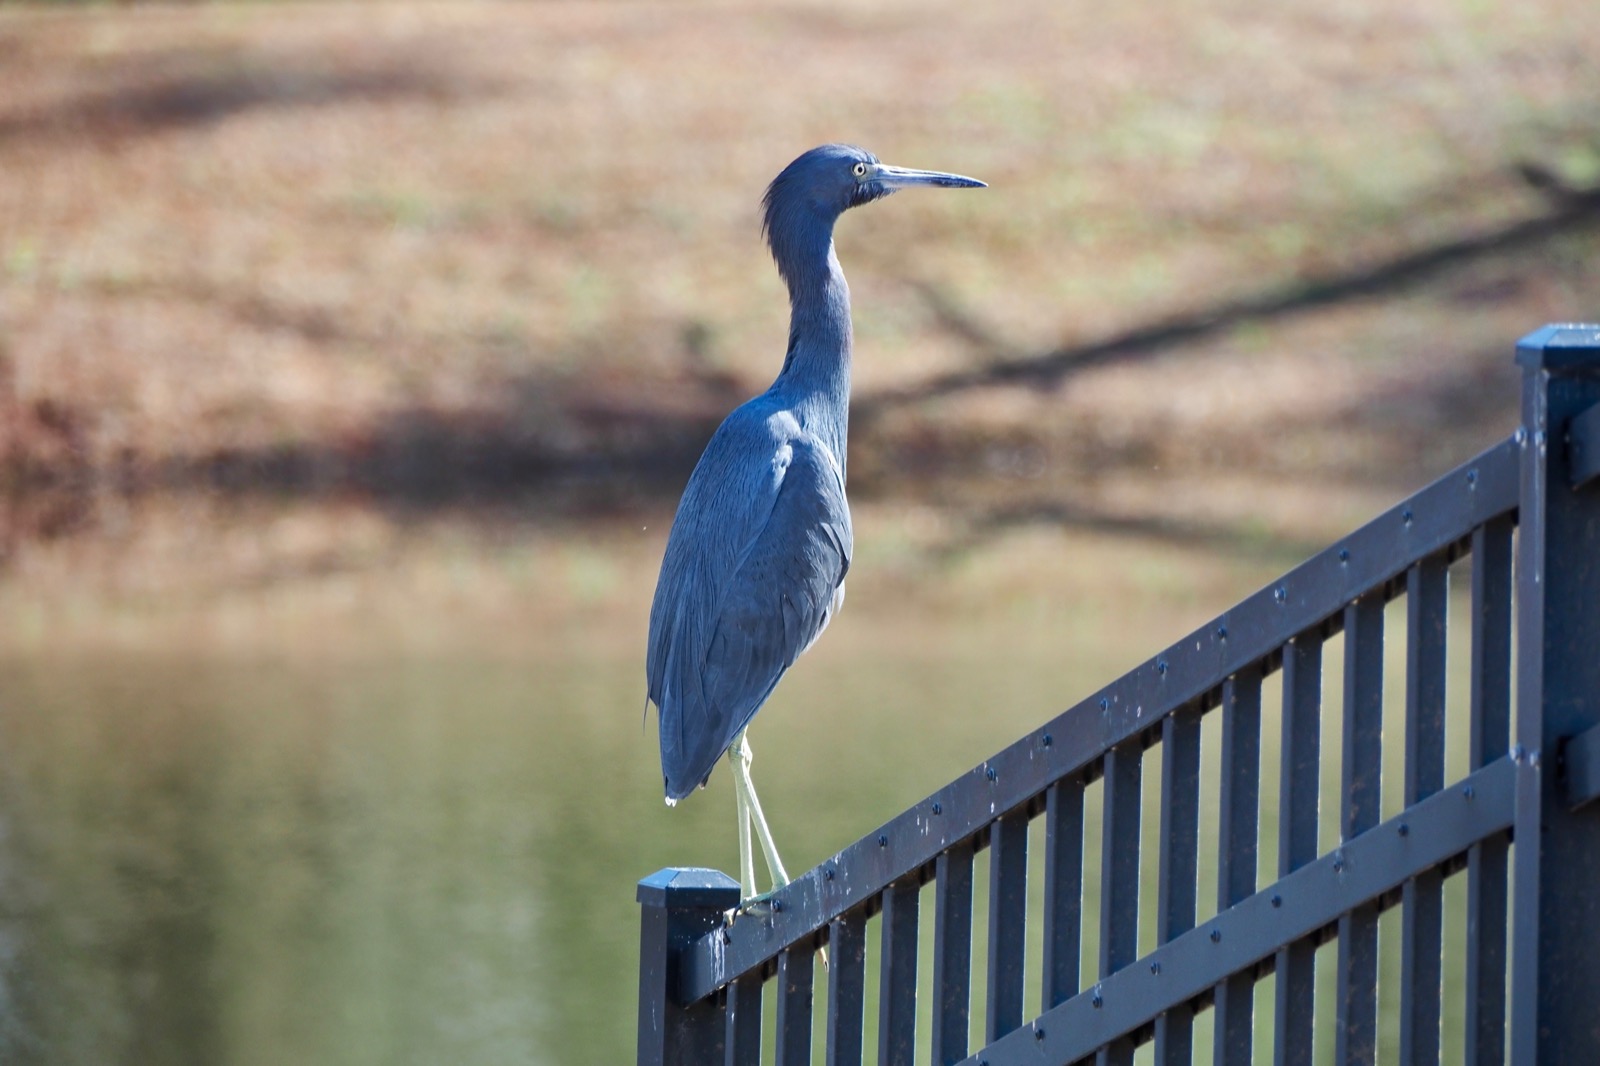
544, 447
1570, 210
1222, 538
198, 87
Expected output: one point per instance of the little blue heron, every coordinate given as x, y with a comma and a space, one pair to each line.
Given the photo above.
758, 552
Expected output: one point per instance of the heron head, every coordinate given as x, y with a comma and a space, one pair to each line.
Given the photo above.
827, 181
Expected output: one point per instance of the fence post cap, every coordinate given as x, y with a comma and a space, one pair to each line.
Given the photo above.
1561, 345
689, 889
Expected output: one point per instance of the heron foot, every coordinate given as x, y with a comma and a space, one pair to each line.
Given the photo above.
761, 906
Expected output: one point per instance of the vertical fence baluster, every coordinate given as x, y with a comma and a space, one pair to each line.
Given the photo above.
1491, 735
1361, 795
1063, 890
1298, 791
952, 953
1008, 915
744, 1021
1299, 783
794, 1006
1180, 830
1119, 875
897, 981
1422, 902
847, 986
1236, 860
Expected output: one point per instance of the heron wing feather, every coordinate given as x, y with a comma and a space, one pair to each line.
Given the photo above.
754, 570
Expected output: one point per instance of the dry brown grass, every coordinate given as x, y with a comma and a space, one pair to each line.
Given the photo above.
370, 246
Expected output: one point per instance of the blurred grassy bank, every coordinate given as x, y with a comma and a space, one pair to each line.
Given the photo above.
412, 263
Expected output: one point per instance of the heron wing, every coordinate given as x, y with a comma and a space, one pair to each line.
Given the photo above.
754, 570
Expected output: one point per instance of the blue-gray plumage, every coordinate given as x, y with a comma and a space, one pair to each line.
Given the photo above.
756, 560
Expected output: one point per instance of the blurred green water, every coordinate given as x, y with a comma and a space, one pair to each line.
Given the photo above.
235, 862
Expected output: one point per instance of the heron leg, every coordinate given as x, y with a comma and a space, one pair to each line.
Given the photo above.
747, 865
744, 789
741, 756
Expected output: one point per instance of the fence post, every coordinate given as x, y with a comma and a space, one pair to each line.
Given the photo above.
1555, 965
676, 908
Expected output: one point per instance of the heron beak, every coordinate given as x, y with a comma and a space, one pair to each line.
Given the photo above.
905, 178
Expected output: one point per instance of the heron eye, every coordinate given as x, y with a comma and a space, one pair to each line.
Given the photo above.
859, 170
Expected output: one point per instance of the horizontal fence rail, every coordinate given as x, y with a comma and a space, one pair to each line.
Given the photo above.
1532, 500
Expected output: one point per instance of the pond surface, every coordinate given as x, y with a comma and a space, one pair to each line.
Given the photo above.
228, 861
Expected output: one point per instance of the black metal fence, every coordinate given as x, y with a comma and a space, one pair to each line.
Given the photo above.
1521, 522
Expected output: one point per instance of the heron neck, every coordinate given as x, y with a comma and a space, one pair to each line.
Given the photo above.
815, 378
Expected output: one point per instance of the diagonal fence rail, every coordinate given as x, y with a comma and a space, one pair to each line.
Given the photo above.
1522, 522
